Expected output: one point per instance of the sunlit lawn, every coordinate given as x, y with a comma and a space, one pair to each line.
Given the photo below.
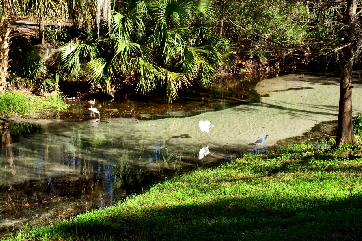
299, 193
16, 102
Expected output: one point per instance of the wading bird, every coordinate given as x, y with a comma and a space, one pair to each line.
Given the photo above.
92, 102
261, 141
205, 126
94, 112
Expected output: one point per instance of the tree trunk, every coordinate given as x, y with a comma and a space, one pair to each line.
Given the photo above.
41, 31
345, 125
4, 54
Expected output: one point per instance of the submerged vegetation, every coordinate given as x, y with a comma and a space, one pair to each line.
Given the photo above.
302, 192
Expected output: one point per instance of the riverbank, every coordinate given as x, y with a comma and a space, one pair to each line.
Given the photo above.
302, 192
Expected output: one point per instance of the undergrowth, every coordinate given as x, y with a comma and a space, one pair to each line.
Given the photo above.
18, 103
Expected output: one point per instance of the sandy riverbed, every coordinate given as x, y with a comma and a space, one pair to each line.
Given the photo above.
291, 106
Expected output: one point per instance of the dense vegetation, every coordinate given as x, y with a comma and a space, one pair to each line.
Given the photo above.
169, 45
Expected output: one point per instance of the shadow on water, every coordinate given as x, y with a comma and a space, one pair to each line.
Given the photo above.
226, 92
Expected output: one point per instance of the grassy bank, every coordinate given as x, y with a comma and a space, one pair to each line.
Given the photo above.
304, 192
27, 104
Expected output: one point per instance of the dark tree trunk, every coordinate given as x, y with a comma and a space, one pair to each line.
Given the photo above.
345, 127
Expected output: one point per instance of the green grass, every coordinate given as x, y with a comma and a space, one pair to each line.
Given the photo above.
17, 103
298, 193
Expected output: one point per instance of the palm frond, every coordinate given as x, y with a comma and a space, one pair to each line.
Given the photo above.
74, 56
96, 69
205, 8
175, 82
150, 75
197, 63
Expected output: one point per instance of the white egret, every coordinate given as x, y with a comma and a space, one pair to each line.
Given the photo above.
205, 126
92, 102
94, 112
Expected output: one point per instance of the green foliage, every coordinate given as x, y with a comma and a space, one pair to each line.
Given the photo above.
357, 125
182, 47
73, 55
272, 19
268, 20
58, 36
15, 102
52, 102
47, 84
26, 63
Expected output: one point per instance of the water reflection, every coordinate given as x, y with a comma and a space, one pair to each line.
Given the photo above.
204, 151
94, 162
57, 171
256, 150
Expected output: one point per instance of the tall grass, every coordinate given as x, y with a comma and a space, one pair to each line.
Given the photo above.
298, 193
357, 125
15, 102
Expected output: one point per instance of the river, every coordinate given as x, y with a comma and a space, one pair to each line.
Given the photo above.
68, 167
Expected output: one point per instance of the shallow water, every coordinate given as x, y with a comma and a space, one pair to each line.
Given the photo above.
72, 166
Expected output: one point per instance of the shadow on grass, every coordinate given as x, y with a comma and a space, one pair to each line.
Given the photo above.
310, 206
229, 219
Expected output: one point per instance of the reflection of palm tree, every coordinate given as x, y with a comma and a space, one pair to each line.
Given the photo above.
6, 141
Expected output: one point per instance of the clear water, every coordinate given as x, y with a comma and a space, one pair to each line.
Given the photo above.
71, 166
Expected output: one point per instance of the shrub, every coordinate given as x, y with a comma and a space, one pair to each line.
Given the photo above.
357, 125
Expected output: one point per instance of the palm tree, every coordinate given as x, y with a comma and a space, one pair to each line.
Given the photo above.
4, 42
158, 43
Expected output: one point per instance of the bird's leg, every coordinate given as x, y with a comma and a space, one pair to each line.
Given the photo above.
211, 135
